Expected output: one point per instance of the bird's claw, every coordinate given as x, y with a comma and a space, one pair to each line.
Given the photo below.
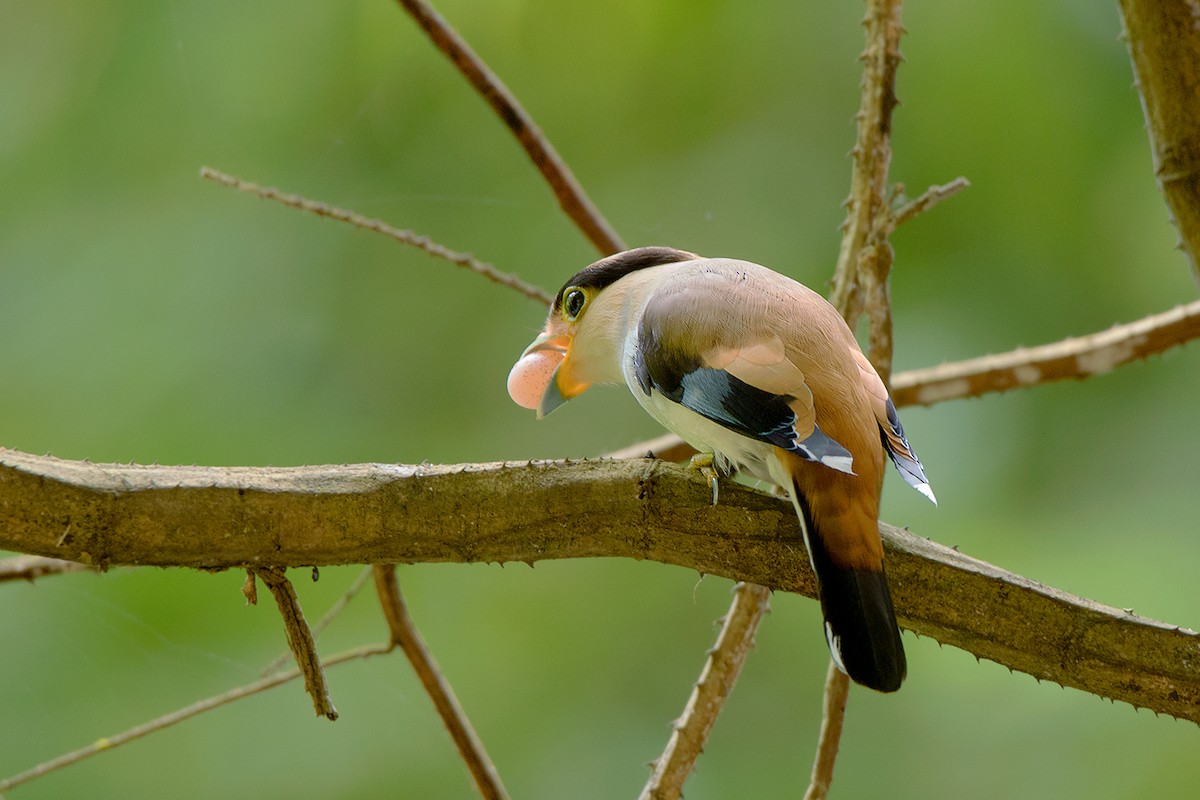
706, 464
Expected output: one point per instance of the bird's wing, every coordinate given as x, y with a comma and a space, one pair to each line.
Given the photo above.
891, 431
709, 339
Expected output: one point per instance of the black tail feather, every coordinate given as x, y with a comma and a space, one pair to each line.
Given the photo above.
860, 622
860, 625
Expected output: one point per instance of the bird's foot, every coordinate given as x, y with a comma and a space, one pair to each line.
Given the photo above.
706, 464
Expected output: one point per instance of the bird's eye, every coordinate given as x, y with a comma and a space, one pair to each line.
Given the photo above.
573, 303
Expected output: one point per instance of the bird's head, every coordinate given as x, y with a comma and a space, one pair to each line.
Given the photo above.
583, 339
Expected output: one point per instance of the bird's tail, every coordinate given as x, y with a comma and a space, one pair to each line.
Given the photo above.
860, 622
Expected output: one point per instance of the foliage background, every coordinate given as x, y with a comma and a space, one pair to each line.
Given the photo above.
150, 316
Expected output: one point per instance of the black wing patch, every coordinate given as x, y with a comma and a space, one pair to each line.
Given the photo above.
734, 404
729, 401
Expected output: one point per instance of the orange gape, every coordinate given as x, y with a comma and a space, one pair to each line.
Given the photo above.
763, 373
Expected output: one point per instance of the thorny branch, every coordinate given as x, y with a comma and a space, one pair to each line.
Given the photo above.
865, 257
332, 613
708, 697
837, 691
860, 281
232, 518
1164, 45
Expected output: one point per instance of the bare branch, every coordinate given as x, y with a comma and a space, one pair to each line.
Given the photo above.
404, 634
30, 568
1079, 357
716, 682
571, 196
930, 198
871, 155
226, 517
1164, 44
464, 260
110, 742
837, 692
300, 639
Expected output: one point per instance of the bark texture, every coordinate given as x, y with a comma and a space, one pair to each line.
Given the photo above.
221, 518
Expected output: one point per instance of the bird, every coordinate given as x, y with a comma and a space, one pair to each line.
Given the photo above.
761, 375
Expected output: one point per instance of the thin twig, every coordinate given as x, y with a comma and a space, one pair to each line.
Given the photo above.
930, 198
175, 717
571, 197
1078, 357
300, 639
30, 568
404, 634
464, 260
720, 673
837, 692
338, 606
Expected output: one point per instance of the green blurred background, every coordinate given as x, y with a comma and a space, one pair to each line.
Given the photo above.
152, 316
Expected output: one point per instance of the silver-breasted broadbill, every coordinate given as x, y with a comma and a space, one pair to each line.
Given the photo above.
763, 373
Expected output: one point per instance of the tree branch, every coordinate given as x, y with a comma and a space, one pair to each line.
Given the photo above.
226, 517
410, 238
708, 697
404, 633
326, 619
30, 568
871, 155
1164, 44
837, 692
1078, 357
299, 638
860, 279
571, 197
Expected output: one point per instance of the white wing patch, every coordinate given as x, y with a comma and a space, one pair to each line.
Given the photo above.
835, 647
